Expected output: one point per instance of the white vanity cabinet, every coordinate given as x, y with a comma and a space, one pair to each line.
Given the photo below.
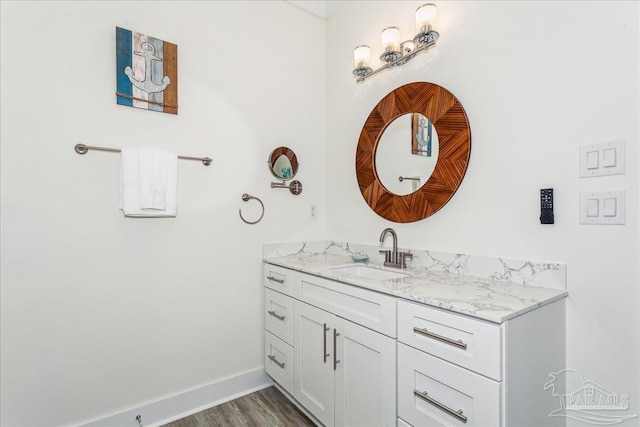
455, 370
351, 356
342, 368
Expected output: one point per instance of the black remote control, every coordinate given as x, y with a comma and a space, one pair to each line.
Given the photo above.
546, 206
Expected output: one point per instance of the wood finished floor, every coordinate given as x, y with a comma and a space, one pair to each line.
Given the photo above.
264, 408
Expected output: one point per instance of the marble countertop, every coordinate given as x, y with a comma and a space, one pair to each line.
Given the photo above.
483, 298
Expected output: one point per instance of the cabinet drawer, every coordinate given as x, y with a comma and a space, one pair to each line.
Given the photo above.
367, 308
278, 278
432, 392
278, 361
278, 315
467, 342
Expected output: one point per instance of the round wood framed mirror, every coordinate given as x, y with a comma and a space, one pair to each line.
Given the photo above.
449, 119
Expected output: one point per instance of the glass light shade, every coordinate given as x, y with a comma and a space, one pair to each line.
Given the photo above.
361, 56
390, 39
425, 16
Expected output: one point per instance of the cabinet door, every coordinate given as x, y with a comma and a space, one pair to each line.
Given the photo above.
313, 379
365, 368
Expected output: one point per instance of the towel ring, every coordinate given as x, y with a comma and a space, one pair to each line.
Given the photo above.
246, 198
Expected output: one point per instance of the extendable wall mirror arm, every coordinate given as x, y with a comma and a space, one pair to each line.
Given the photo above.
283, 164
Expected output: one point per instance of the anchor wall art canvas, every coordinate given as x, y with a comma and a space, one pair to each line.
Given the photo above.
146, 72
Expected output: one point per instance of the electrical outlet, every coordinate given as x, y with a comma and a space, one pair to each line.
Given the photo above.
313, 212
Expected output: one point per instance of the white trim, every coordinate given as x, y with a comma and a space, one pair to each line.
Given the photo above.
187, 403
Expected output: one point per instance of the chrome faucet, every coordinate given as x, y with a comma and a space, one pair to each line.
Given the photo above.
393, 235
393, 258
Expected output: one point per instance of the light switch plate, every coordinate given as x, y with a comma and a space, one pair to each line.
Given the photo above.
603, 159
602, 207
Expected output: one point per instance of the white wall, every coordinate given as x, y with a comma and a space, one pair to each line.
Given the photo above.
537, 80
101, 313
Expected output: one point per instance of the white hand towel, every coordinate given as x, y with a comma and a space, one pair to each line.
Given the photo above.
154, 175
129, 180
130, 185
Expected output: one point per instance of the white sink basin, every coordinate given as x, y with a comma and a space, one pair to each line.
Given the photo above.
369, 272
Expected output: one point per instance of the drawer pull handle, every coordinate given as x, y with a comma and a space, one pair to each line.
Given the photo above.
276, 315
274, 360
335, 349
456, 414
325, 329
444, 339
273, 279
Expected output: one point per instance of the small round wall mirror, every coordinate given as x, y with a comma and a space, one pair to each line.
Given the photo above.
283, 164
407, 153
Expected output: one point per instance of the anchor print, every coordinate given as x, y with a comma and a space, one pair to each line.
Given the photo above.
147, 85
423, 140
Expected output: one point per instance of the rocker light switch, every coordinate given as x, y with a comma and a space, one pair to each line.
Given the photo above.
602, 207
609, 158
602, 159
592, 160
610, 206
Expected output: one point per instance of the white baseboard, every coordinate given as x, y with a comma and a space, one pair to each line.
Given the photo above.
187, 403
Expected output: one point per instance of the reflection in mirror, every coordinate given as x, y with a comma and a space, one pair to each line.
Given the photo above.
282, 167
406, 154
283, 163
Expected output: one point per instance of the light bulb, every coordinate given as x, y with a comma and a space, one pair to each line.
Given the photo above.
361, 56
390, 38
407, 47
425, 17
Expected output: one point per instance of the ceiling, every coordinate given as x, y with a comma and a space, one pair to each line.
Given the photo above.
321, 8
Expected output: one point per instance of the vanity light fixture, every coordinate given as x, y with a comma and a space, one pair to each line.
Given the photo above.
396, 53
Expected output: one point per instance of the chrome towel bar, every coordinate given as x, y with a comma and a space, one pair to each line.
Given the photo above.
82, 149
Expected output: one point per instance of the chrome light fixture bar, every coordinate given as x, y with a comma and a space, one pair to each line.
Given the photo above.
395, 53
